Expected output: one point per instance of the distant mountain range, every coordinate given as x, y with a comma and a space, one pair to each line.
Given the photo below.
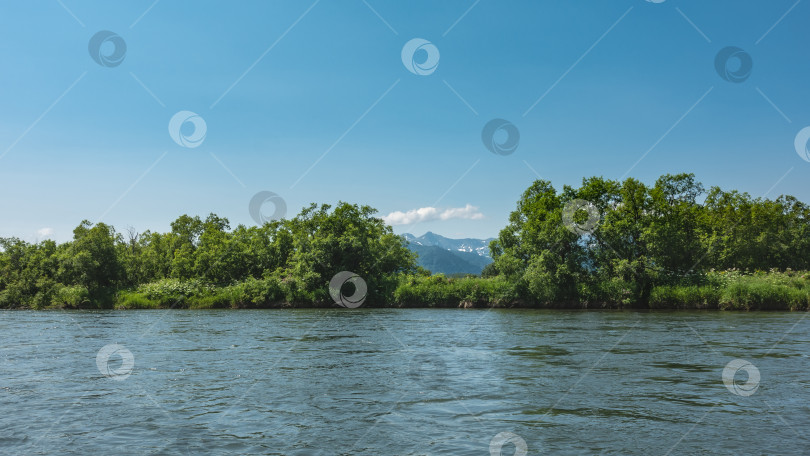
439, 254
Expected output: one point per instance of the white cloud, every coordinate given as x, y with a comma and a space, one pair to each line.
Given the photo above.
426, 214
44, 232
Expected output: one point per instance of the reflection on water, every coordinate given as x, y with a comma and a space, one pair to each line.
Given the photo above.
402, 382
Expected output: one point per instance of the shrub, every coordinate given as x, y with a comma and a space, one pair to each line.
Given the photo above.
684, 297
174, 292
72, 297
765, 291
440, 291
261, 292
11, 297
135, 300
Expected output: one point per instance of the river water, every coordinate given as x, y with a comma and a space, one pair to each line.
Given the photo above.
404, 382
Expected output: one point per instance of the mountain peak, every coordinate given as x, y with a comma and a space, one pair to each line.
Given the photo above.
439, 254
464, 247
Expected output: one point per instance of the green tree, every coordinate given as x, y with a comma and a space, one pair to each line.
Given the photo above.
92, 260
536, 250
349, 237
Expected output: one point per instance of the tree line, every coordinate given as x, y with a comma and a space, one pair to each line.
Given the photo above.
287, 259
605, 243
671, 233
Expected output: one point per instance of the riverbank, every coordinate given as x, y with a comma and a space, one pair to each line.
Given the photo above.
606, 244
723, 290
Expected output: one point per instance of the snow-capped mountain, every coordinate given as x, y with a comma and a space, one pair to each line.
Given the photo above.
477, 246
450, 256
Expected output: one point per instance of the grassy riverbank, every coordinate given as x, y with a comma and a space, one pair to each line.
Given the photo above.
724, 290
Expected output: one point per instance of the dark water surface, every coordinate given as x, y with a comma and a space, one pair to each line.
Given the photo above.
403, 382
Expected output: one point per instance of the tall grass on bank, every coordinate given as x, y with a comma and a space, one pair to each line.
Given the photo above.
734, 290
721, 290
268, 292
771, 290
441, 291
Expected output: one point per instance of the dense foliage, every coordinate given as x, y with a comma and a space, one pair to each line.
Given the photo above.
642, 237
204, 262
604, 244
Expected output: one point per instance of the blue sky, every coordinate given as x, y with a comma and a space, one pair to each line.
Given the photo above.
285, 85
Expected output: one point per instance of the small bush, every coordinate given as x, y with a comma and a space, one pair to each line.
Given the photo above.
684, 297
169, 288
440, 291
135, 300
72, 297
256, 293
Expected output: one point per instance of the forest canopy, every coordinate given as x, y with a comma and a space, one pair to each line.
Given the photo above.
604, 244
